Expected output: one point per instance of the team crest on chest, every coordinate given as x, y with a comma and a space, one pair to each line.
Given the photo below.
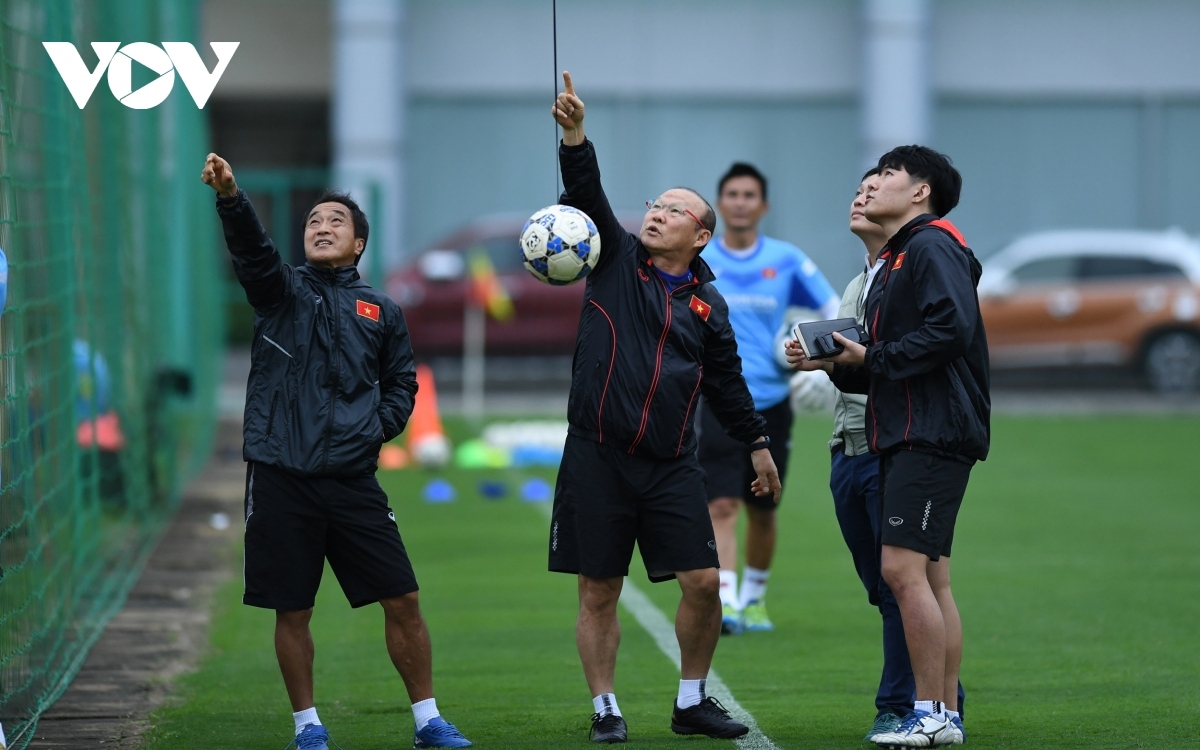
367, 310
899, 261
769, 273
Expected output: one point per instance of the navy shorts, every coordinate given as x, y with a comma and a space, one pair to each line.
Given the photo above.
294, 523
726, 461
606, 500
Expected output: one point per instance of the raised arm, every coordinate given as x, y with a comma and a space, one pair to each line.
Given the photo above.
581, 174
259, 268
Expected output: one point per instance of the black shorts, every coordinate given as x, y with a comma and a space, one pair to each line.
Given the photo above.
921, 494
293, 523
727, 461
606, 500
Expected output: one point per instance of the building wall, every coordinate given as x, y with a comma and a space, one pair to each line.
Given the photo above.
1060, 113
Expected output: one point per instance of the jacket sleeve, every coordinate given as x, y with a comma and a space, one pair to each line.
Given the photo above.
944, 292
260, 270
851, 379
723, 386
397, 378
582, 190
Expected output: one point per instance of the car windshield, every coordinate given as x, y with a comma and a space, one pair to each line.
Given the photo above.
1048, 271
1104, 267
504, 252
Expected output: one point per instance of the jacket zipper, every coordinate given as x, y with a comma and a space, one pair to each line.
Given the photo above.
333, 371
662, 340
688, 413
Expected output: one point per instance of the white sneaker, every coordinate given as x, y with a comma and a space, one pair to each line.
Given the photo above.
919, 729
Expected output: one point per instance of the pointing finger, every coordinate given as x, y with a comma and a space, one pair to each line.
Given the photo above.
567, 82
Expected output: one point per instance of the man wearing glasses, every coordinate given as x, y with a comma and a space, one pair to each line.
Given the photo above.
654, 334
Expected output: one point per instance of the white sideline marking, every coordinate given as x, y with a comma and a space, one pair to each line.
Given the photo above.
654, 622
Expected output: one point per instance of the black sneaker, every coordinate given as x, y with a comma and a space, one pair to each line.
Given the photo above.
709, 718
608, 728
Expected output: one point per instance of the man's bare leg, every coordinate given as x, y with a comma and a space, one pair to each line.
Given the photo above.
698, 621
295, 651
724, 514
905, 572
598, 632
761, 531
408, 645
939, 580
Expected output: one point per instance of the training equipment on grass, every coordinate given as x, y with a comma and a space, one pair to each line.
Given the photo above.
560, 245
427, 443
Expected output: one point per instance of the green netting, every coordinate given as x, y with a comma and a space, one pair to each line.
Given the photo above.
113, 313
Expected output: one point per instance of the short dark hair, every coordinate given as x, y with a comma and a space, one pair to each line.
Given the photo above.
870, 173
931, 167
742, 169
362, 229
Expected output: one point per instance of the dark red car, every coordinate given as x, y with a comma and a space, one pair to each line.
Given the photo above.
433, 288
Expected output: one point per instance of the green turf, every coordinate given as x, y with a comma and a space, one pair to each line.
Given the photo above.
1076, 568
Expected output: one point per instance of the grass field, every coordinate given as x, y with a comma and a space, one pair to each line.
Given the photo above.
1077, 573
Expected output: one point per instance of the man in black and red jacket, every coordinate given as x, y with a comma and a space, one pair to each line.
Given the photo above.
925, 372
653, 335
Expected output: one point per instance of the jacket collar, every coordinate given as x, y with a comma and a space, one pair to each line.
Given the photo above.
340, 276
699, 267
901, 236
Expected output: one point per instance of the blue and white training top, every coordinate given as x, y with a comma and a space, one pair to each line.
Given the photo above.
759, 284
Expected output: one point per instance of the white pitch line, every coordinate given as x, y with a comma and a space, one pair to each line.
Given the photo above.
654, 622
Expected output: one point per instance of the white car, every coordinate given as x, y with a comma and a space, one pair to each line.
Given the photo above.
1078, 298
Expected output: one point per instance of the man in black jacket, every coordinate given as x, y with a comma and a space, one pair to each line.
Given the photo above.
331, 380
654, 334
928, 409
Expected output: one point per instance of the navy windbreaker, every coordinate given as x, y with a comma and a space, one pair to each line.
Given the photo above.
644, 354
331, 370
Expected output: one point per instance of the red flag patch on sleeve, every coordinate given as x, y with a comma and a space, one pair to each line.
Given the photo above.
367, 310
700, 307
899, 261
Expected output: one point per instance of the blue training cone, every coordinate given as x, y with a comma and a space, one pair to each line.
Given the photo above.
438, 491
536, 490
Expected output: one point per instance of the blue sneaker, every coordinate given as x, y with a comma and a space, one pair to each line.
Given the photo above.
439, 733
731, 620
961, 738
311, 737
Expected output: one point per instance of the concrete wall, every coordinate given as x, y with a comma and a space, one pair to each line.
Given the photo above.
1060, 113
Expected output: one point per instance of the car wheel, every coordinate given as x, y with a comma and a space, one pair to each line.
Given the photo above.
1172, 362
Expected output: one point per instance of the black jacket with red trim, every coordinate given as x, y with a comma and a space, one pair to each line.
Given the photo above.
926, 372
331, 367
644, 355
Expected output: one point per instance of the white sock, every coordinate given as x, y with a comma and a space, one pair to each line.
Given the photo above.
952, 714
3, 742
754, 585
423, 711
306, 717
729, 588
606, 703
936, 708
691, 692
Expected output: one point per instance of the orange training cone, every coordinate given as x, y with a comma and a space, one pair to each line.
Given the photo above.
427, 443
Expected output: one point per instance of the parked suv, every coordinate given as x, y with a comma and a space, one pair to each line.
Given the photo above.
432, 291
1070, 299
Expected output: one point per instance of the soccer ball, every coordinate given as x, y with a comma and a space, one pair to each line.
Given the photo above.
560, 245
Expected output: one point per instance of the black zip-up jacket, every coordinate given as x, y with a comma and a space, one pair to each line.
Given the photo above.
926, 372
644, 354
331, 368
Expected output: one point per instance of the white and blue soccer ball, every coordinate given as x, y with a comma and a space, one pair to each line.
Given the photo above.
560, 245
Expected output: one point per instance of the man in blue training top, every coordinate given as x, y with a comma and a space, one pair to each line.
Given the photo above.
760, 278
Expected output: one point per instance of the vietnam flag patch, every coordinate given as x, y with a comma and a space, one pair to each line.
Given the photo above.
899, 261
367, 310
700, 307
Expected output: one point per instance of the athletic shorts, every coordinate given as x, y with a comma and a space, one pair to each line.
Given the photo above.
606, 500
921, 495
727, 461
294, 523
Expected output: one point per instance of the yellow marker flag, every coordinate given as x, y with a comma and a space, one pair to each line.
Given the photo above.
486, 288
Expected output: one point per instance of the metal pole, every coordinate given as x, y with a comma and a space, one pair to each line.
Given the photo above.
474, 338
